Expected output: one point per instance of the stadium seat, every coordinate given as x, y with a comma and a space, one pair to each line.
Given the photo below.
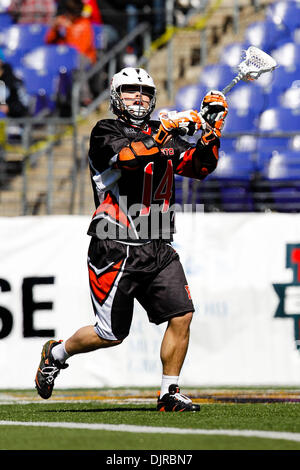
35, 81
283, 176
183, 189
190, 97
270, 144
23, 37
235, 166
5, 19
247, 97
246, 143
216, 76
13, 57
51, 58
243, 143
237, 122
296, 36
265, 35
278, 120
41, 86
290, 98
294, 143
285, 14
228, 144
283, 78
100, 38
287, 55
235, 173
232, 54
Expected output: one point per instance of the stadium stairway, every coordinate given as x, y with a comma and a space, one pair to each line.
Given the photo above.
58, 195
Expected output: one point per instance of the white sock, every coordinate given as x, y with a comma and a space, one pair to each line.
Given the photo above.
166, 381
59, 353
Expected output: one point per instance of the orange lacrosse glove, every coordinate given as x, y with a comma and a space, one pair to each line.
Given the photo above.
184, 123
214, 109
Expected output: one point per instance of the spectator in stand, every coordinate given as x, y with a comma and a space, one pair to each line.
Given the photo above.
32, 11
16, 98
72, 29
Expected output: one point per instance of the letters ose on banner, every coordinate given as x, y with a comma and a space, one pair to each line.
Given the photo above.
244, 277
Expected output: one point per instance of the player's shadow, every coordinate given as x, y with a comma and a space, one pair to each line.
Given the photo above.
97, 410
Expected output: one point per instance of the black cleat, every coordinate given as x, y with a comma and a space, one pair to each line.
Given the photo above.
176, 401
48, 370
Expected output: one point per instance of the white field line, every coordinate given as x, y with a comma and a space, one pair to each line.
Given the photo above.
289, 436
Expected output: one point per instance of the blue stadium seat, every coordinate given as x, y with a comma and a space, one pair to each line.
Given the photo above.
232, 54
216, 76
283, 176
5, 19
41, 86
287, 55
183, 189
190, 97
52, 58
235, 172
284, 13
294, 143
290, 98
36, 81
271, 144
228, 144
283, 78
237, 121
100, 38
235, 166
246, 143
265, 35
13, 57
278, 120
247, 97
243, 143
24, 37
296, 36
267, 147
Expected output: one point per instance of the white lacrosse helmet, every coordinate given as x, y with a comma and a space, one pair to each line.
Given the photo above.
130, 79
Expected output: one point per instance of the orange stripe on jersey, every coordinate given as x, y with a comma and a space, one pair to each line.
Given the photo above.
185, 167
112, 208
102, 285
215, 150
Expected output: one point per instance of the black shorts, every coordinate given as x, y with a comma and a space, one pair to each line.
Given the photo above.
151, 273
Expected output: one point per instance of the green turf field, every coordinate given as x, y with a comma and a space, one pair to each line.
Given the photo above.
122, 419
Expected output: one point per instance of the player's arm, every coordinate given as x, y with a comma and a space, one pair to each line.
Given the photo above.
131, 155
202, 159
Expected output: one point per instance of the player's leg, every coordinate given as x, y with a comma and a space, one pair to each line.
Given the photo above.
166, 298
113, 306
85, 340
175, 343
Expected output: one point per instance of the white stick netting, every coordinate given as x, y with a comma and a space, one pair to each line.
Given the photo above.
256, 63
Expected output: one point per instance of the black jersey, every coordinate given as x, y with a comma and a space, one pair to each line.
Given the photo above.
137, 205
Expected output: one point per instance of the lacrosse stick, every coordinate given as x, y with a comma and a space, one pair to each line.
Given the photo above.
255, 63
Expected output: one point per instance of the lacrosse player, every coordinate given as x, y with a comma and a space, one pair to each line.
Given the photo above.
132, 163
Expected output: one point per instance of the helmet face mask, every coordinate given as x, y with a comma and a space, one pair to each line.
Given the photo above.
133, 81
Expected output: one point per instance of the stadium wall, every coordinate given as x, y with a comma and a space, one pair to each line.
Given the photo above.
244, 277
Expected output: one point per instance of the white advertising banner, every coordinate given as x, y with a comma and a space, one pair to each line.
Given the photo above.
244, 276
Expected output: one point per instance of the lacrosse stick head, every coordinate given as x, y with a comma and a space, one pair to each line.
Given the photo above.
255, 63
